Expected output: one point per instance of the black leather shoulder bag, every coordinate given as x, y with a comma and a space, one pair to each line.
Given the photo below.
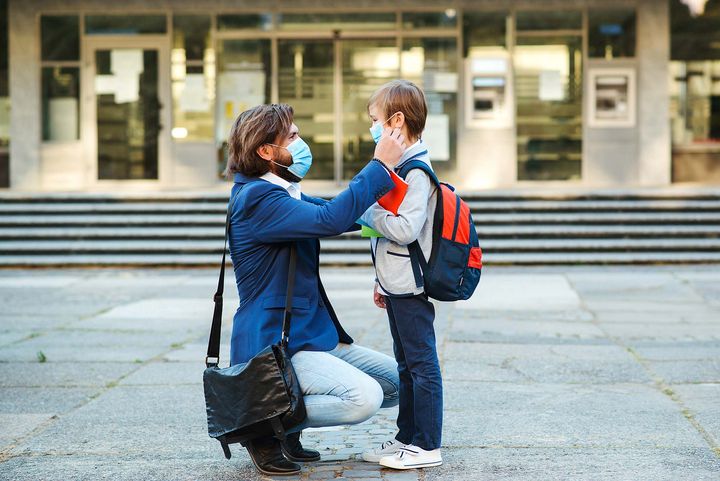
261, 397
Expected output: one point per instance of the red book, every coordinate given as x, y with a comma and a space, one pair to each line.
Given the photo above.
392, 200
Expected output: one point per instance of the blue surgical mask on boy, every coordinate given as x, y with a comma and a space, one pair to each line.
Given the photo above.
377, 128
301, 157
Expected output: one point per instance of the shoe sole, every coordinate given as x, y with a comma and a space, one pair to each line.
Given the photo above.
372, 458
412, 466
292, 458
271, 473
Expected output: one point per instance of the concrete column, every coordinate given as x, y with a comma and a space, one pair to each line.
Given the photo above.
653, 54
25, 109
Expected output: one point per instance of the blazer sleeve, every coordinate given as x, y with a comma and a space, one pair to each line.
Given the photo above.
404, 227
277, 217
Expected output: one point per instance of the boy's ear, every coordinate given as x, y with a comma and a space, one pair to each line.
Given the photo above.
398, 121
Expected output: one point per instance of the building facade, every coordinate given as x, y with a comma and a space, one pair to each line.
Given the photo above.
105, 95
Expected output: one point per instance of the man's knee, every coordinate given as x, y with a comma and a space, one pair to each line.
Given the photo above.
367, 400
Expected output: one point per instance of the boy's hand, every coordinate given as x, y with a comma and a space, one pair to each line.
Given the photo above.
378, 298
390, 147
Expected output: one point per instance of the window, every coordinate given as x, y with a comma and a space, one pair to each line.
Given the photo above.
193, 78
611, 33
243, 82
695, 93
4, 99
549, 20
60, 64
431, 63
253, 21
60, 37
444, 19
337, 21
125, 24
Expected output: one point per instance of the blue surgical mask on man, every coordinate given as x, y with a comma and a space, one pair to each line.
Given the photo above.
377, 128
301, 157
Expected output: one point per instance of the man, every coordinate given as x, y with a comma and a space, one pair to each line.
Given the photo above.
343, 383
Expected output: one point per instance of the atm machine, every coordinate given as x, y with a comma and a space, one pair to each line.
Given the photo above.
488, 91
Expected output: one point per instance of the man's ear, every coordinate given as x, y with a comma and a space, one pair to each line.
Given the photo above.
265, 151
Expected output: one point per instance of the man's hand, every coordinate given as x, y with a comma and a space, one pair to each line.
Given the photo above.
390, 147
378, 298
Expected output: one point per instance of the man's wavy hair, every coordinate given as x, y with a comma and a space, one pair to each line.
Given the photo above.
253, 128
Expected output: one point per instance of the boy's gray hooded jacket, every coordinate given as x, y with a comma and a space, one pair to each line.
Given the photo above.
414, 221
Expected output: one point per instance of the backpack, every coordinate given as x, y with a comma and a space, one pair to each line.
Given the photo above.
453, 271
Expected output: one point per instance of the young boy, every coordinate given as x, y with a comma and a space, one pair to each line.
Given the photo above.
401, 104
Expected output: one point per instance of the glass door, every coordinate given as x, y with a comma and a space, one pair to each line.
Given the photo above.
306, 76
366, 65
126, 109
548, 86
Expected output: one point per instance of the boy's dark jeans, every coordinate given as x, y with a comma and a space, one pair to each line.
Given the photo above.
421, 398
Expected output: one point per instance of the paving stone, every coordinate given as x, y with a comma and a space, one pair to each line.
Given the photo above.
491, 414
534, 387
705, 371
703, 402
571, 464
59, 374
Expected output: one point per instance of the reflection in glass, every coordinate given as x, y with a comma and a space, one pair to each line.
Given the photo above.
695, 93
549, 20
60, 37
337, 21
193, 78
366, 65
305, 81
548, 83
252, 21
4, 88
431, 63
444, 19
243, 81
611, 33
60, 102
484, 29
4, 99
125, 24
128, 113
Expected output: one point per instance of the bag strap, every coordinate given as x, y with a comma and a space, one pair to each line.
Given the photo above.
213, 352
212, 358
417, 259
289, 296
415, 163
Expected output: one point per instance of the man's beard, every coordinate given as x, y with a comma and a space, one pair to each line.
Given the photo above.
282, 172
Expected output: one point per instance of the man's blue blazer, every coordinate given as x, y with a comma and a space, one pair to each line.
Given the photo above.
265, 219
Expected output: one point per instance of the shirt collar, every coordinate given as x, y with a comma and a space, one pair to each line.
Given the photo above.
293, 188
411, 151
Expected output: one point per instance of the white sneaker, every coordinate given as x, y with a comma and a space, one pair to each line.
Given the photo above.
388, 448
412, 457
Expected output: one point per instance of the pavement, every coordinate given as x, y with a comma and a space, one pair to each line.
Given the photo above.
577, 373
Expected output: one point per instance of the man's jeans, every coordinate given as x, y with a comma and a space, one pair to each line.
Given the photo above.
346, 385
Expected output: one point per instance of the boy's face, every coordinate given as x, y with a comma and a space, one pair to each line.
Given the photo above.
378, 115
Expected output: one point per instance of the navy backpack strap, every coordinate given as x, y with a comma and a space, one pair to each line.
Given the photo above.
417, 258
418, 164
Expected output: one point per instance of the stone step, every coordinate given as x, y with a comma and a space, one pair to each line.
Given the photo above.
206, 260
160, 247
476, 205
485, 231
506, 219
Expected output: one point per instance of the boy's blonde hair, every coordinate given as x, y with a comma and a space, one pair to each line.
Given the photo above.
402, 96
